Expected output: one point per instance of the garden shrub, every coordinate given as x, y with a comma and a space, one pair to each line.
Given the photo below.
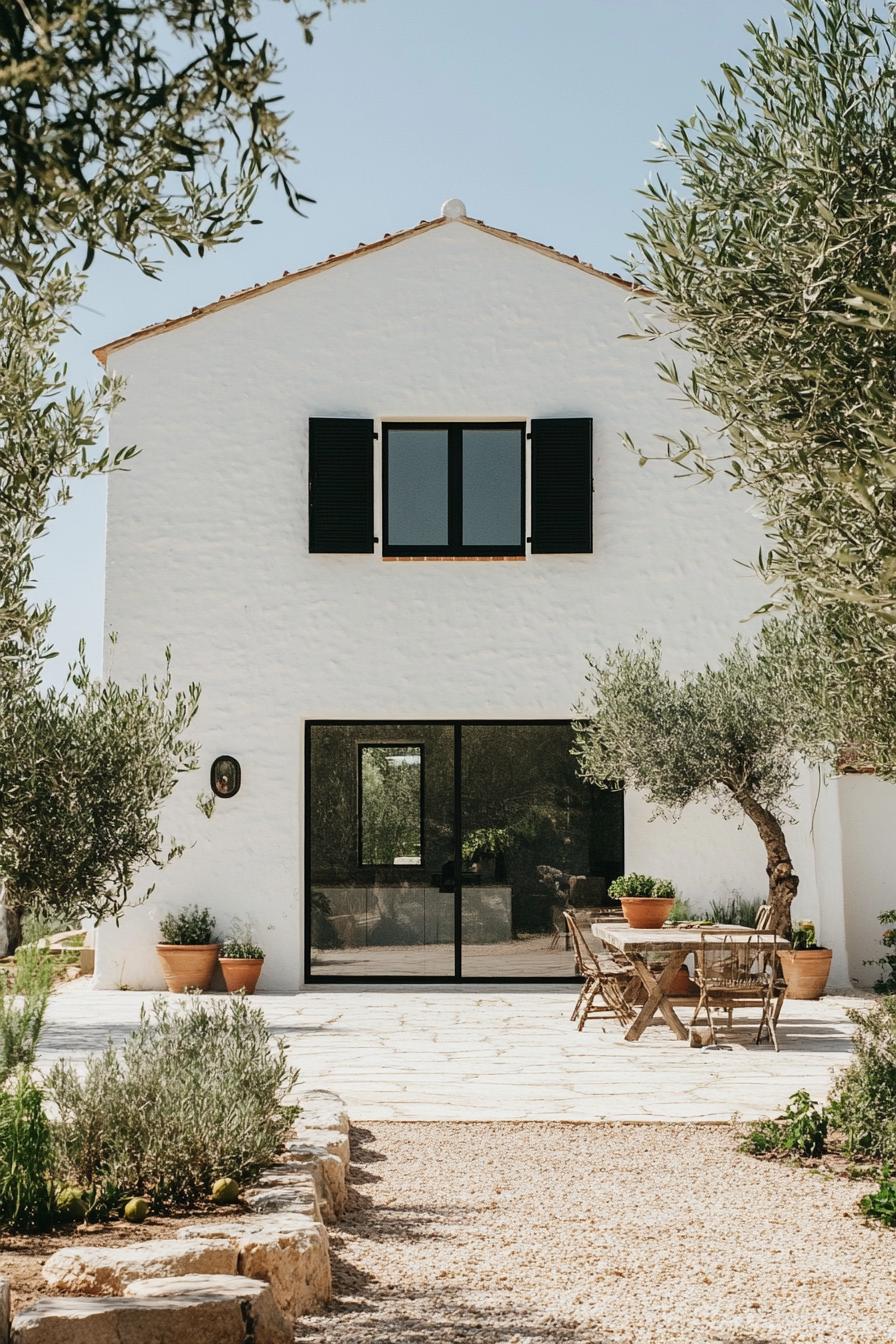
681, 911
800, 1132
881, 1203
863, 1103
192, 927
886, 982
738, 909
27, 1195
24, 995
640, 885
196, 1093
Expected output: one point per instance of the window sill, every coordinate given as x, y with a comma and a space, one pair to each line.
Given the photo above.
453, 559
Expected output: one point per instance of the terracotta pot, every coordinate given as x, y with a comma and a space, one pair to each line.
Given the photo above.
646, 912
241, 973
187, 966
806, 972
681, 983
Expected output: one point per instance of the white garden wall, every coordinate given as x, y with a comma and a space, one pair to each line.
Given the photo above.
207, 551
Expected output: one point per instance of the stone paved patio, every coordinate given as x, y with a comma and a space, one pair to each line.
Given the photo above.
501, 1053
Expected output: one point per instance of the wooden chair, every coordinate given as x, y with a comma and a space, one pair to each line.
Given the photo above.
607, 986
735, 971
763, 923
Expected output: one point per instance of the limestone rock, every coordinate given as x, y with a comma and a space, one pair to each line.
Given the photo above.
303, 1193
288, 1251
264, 1322
330, 1140
319, 1148
4, 1311
322, 1110
119, 1320
101, 1270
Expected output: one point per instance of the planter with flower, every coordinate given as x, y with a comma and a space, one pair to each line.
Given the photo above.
806, 966
188, 949
646, 901
241, 961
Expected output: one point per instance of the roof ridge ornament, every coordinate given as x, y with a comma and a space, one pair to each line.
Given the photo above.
454, 208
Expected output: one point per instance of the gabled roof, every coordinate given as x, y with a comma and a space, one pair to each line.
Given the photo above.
363, 249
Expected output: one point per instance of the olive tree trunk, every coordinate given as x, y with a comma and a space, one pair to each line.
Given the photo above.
10, 922
782, 880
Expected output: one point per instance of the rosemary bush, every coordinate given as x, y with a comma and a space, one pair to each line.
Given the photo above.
863, 1104
197, 1092
27, 1194
23, 1004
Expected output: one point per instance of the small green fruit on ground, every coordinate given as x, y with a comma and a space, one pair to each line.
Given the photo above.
136, 1210
225, 1191
71, 1206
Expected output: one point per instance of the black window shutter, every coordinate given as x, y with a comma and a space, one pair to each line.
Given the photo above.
340, 485
561, 486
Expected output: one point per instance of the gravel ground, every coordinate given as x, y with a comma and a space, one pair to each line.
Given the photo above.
611, 1234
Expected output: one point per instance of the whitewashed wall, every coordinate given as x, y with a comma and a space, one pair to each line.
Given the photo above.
868, 824
207, 550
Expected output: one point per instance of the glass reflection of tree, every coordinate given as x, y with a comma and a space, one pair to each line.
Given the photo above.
526, 814
390, 804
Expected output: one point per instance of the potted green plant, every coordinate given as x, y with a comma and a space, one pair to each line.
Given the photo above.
241, 961
806, 966
188, 949
646, 901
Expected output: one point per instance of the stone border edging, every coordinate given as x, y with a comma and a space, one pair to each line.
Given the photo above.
252, 1277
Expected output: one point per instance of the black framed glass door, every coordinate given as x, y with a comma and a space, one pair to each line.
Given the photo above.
449, 850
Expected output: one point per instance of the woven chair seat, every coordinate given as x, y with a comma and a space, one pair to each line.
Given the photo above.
735, 986
613, 968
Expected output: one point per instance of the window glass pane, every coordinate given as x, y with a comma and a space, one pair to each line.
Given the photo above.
389, 919
492, 475
418, 487
536, 840
391, 784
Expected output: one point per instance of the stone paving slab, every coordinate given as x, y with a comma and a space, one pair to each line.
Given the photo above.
476, 1052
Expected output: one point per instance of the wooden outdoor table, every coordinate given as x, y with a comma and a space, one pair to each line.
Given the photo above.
673, 945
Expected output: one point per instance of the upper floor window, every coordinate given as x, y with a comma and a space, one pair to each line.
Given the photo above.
450, 489
454, 489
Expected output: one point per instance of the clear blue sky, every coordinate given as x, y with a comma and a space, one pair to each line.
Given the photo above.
539, 114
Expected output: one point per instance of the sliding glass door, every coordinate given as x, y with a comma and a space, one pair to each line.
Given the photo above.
535, 840
450, 850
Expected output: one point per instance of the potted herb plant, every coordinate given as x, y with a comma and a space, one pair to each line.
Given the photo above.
241, 961
646, 901
806, 966
188, 949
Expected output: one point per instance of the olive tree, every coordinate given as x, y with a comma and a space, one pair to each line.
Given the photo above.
48, 437
84, 771
768, 246
125, 125
718, 736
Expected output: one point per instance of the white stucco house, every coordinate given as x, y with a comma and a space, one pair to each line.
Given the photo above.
381, 512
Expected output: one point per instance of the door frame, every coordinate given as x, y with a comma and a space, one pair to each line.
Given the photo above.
457, 978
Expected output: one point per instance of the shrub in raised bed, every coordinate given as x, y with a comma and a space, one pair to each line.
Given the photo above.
197, 1092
